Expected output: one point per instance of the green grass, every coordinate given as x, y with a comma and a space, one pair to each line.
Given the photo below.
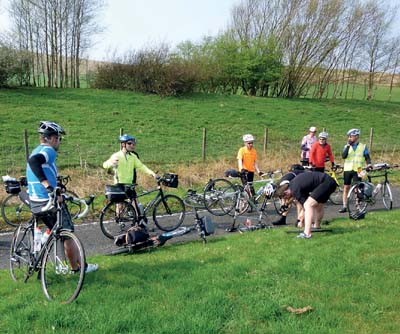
235, 284
170, 130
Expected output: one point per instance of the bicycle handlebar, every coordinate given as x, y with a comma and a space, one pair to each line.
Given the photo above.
52, 200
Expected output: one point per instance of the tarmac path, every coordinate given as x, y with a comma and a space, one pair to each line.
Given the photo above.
96, 243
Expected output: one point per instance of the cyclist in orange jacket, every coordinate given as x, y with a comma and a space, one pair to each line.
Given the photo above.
320, 151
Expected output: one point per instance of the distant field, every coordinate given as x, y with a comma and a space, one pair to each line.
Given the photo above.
170, 130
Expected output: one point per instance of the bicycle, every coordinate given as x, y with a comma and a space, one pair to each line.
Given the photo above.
337, 197
15, 208
364, 193
60, 280
123, 211
222, 196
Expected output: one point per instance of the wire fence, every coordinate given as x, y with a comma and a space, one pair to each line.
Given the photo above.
199, 147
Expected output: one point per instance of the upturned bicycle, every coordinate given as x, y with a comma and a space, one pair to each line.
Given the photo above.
364, 193
61, 280
222, 197
123, 210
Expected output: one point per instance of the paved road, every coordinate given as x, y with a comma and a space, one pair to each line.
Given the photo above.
96, 243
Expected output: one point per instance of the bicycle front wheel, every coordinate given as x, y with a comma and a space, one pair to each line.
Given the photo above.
14, 211
220, 197
169, 213
20, 253
63, 268
387, 196
117, 218
356, 203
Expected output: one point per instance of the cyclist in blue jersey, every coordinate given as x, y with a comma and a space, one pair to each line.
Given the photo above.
41, 173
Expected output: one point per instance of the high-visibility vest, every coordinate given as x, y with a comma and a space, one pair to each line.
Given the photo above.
355, 159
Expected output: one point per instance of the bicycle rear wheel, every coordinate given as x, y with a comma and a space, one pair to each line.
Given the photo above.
20, 253
117, 218
15, 211
387, 196
169, 213
356, 203
220, 197
60, 282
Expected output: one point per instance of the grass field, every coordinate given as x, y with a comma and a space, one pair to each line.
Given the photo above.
234, 284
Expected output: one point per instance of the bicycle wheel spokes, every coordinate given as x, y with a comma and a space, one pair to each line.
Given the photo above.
169, 213
14, 211
243, 203
387, 196
74, 208
20, 253
337, 197
356, 203
117, 218
61, 274
220, 197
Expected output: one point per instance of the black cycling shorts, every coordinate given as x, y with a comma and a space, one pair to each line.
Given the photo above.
324, 190
349, 177
49, 218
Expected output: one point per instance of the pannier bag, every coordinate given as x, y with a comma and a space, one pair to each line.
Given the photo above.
13, 187
115, 193
171, 180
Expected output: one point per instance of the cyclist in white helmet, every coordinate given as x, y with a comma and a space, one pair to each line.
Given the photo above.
247, 160
41, 173
354, 154
306, 143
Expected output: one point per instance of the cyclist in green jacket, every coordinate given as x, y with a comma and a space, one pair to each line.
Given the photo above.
125, 162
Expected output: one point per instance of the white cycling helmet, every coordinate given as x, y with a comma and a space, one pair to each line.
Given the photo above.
248, 137
269, 190
323, 135
313, 129
353, 132
47, 128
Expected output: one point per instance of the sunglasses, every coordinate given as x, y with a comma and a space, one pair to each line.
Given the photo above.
130, 143
250, 143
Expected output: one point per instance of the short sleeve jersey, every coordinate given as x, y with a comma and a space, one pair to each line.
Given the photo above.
36, 190
248, 157
302, 185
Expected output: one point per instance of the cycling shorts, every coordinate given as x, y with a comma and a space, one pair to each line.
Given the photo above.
324, 190
49, 218
349, 177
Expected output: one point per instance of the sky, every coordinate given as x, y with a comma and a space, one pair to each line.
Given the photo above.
133, 24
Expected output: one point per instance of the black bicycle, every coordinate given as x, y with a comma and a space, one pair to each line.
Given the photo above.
61, 280
124, 211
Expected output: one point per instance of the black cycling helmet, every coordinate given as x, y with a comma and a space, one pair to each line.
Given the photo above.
47, 129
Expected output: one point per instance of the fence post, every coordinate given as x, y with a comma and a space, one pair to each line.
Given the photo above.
26, 145
371, 138
121, 132
204, 144
265, 141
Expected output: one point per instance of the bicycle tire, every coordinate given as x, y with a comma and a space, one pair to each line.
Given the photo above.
356, 203
387, 196
336, 197
219, 197
277, 204
243, 204
21, 253
117, 218
14, 211
74, 207
59, 282
169, 212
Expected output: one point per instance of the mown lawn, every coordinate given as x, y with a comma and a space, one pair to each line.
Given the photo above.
234, 284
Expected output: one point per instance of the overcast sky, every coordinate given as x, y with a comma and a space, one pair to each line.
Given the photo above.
132, 24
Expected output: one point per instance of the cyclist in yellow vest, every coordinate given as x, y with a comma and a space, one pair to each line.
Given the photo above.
354, 154
247, 160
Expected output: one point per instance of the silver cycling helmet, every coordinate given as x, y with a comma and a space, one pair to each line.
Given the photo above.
323, 135
353, 132
47, 128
